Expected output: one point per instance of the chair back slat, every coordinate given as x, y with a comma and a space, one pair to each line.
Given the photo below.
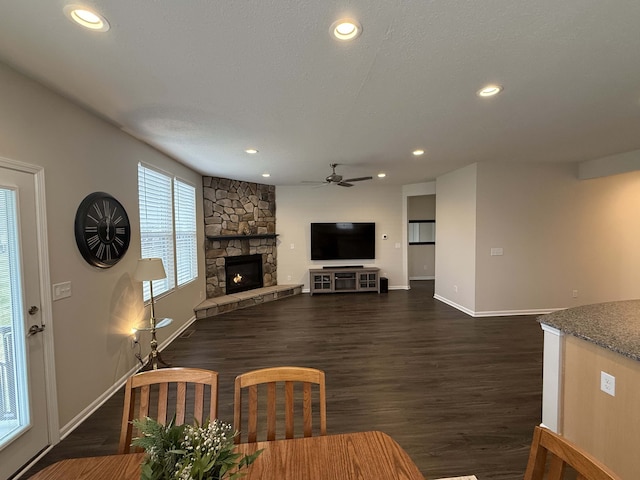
180, 394
559, 453
253, 413
308, 410
271, 411
144, 401
163, 402
273, 379
556, 468
288, 409
198, 407
181, 402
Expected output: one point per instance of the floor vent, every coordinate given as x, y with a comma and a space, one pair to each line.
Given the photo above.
187, 333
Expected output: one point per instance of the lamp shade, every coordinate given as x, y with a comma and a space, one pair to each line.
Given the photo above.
149, 269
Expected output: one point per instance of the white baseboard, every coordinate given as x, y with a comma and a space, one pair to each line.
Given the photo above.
508, 313
453, 304
98, 402
495, 313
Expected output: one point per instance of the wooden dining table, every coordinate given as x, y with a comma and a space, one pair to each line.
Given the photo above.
348, 456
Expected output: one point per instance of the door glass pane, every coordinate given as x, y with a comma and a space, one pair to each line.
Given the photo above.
14, 414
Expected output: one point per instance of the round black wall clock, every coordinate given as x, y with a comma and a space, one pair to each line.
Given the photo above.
102, 230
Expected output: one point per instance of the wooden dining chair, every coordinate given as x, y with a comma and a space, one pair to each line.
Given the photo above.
551, 454
167, 393
285, 377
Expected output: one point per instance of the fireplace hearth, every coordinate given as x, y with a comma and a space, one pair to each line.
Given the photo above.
243, 272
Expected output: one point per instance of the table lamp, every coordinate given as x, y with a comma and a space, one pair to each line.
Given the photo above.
150, 269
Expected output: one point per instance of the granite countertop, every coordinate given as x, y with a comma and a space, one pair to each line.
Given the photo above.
613, 325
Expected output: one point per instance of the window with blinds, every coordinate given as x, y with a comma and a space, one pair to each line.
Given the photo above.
167, 227
186, 243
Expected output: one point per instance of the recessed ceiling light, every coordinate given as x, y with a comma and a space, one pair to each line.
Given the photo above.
418, 152
251, 151
346, 29
266, 175
489, 90
382, 175
87, 18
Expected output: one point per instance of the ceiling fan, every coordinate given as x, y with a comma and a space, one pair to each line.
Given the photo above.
334, 178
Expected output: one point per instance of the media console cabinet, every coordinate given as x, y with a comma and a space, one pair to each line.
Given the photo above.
350, 279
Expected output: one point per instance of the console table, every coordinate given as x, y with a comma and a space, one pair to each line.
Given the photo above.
337, 280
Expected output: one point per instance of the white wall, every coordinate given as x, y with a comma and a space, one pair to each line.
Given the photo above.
456, 238
297, 207
82, 154
559, 234
532, 212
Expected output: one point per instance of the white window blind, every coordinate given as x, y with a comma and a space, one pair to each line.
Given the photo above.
186, 242
156, 225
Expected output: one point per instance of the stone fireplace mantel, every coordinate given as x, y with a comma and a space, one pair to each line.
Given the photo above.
242, 237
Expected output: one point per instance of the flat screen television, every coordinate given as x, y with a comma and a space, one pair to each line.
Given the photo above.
343, 241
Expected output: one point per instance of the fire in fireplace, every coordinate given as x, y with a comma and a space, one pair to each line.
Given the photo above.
243, 272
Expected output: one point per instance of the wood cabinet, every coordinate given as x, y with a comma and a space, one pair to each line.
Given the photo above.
336, 280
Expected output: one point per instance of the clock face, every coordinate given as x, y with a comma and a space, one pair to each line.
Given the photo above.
102, 230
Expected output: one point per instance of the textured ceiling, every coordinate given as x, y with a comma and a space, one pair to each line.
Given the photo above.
203, 80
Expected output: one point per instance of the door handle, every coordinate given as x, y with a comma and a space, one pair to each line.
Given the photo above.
33, 310
35, 329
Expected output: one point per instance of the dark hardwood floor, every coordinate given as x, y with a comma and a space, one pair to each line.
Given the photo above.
460, 395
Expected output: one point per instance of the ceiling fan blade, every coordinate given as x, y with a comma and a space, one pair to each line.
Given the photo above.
315, 184
344, 184
359, 179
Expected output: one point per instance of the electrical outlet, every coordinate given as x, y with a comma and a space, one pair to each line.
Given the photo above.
455, 288
574, 294
608, 383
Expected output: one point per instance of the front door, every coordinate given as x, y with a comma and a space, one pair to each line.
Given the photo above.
24, 430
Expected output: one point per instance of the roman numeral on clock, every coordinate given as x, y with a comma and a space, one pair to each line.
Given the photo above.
93, 241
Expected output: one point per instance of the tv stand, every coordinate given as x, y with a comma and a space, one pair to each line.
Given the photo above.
344, 279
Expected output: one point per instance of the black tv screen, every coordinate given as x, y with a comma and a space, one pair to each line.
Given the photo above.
343, 241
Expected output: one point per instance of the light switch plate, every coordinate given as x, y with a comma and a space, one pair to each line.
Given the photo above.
61, 290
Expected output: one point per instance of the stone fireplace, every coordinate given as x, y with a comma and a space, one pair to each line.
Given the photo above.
240, 220
243, 272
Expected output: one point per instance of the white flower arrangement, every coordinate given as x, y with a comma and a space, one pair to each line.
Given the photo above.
190, 452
